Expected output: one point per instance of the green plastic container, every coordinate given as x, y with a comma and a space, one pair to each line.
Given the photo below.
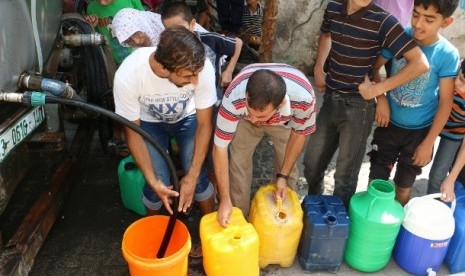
131, 182
375, 219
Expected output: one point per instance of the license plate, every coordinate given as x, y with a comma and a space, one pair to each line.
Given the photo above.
20, 130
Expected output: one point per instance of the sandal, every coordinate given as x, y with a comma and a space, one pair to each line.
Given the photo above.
196, 250
120, 147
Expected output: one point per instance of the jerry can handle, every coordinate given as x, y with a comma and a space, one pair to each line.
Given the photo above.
279, 202
435, 195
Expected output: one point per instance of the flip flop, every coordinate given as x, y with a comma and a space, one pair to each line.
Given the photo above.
196, 250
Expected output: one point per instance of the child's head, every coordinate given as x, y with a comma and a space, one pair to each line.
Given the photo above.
443, 7
104, 2
178, 14
136, 28
429, 16
460, 80
358, 4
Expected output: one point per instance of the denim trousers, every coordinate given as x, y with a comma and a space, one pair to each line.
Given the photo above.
344, 122
443, 160
241, 151
184, 132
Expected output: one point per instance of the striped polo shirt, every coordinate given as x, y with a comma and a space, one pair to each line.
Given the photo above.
252, 22
455, 126
357, 40
298, 112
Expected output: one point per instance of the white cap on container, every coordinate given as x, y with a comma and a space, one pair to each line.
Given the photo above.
429, 218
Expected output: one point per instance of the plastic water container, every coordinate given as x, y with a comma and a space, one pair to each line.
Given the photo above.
375, 218
229, 251
455, 257
459, 189
425, 234
131, 182
326, 227
279, 226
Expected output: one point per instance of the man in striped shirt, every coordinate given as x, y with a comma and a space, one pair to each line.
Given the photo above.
275, 99
353, 33
252, 22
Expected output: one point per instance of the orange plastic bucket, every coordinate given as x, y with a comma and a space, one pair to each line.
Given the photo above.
141, 242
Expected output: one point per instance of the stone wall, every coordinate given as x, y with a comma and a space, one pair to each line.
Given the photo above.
298, 27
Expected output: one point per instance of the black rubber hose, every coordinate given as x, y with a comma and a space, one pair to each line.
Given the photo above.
150, 139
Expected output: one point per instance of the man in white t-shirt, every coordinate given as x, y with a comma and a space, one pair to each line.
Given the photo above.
169, 91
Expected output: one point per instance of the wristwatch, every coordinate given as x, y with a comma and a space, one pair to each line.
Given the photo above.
283, 176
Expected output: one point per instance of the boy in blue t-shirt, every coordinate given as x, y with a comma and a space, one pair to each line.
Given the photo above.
420, 108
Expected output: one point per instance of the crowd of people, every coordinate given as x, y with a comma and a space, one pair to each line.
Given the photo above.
173, 82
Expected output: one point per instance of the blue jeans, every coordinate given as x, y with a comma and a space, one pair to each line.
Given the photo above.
184, 132
344, 122
443, 161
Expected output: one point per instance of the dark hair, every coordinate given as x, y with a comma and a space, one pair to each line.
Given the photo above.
445, 7
180, 49
462, 67
177, 9
263, 88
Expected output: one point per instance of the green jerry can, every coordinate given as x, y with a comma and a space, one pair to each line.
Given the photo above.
375, 218
131, 182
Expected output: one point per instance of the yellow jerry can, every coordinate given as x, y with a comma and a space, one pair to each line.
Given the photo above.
278, 224
229, 251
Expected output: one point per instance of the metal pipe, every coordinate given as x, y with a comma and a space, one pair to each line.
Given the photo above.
54, 87
83, 39
11, 97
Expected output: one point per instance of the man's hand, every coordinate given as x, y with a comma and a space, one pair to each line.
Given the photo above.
226, 78
447, 190
224, 212
92, 20
367, 89
320, 80
281, 189
187, 187
383, 111
422, 155
164, 194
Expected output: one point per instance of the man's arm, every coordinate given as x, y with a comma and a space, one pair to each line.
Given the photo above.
417, 64
447, 186
221, 167
141, 155
324, 47
424, 151
226, 76
382, 112
201, 144
293, 150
